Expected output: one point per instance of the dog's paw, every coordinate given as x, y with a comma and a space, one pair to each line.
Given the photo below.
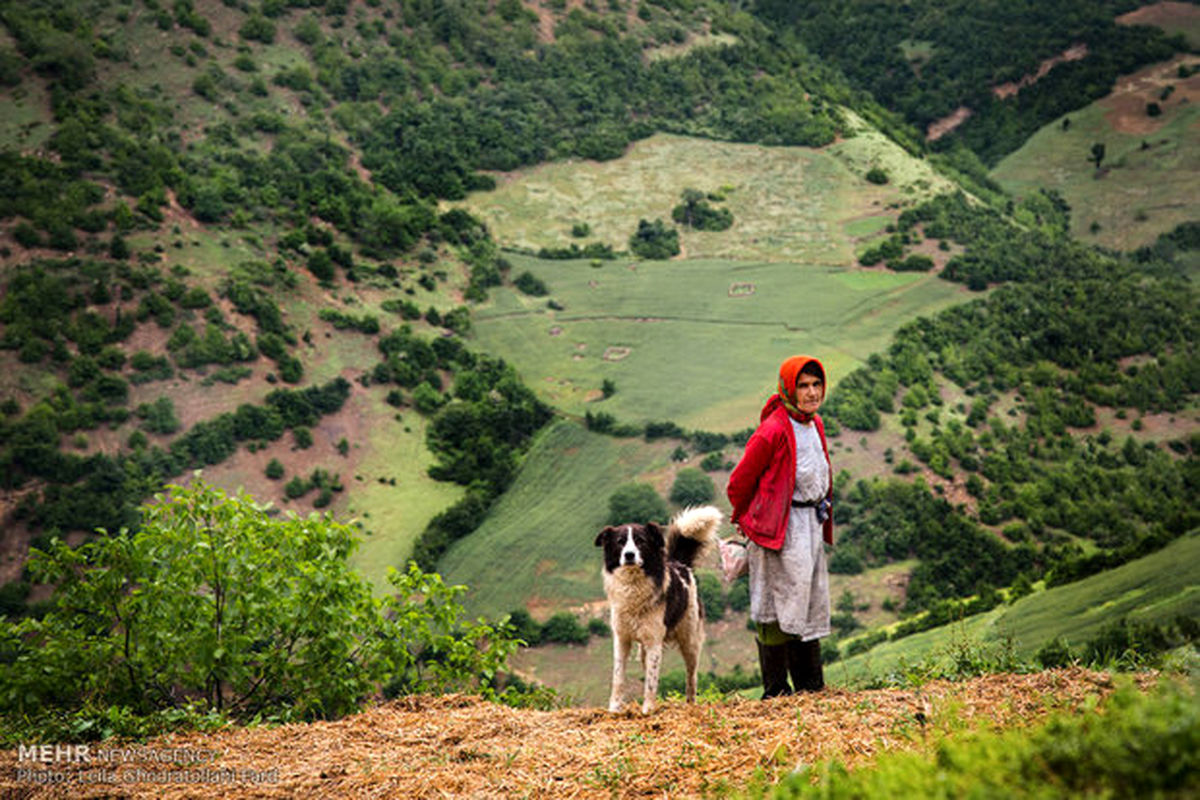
647, 708
614, 708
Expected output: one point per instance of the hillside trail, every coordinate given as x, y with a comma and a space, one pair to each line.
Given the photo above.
462, 746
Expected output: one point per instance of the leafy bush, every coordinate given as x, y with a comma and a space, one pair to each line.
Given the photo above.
258, 28
712, 597
692, 487
636, 503
564, 628
531, 285
654, 240
696, 213
213, 603
593, 250
525, 627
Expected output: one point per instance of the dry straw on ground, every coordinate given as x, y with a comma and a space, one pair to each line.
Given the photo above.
460, 746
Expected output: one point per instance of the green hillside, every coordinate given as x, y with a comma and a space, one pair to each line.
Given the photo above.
788, 203
536, 547
1156, 589
1144, 185
717, 330
414, 265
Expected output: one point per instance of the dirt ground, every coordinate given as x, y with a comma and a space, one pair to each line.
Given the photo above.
461, 746
1125, 107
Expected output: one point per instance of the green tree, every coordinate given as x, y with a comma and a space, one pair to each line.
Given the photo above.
636, 503
692, 487
564, 628
1097, 154
712, 597
258, 28
654, 240
213, 601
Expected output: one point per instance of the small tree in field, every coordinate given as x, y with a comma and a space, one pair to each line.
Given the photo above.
1098, 151
215, 604
692, 487
636, 503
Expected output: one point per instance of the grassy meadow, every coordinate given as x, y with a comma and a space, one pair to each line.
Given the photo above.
788, 203
696, 341
1146, 184
536, 549
1154, 589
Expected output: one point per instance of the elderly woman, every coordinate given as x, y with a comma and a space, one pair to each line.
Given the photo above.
782, 496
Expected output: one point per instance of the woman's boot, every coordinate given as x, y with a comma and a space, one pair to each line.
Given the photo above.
773, 663
804, 664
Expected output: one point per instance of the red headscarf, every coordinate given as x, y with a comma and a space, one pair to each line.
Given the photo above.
789, 373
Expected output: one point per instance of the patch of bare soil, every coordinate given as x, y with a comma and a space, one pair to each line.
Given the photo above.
1125, 107
947, 123
461, 746
546, 16
960, 115
1074, 53
247, 470
1169, 16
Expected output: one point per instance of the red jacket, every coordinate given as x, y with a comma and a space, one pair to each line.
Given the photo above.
762, 483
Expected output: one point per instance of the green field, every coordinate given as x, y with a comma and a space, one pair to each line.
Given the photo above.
536, 549
1147, 182
788, 203
698, 342
1156, 588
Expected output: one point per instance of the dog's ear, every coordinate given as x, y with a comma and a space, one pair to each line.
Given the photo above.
656, 534
602, 535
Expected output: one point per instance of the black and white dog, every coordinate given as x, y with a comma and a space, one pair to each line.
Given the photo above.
653, 596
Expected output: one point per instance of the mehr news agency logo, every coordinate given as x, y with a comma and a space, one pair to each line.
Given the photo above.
80, 763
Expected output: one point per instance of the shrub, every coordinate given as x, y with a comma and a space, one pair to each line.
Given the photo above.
597, 626
258, 28
636, 503
654, 240
845, 561
692, 487
564, 628
238, 613
303, 437
877, 175
914, 263
1071, 755
427, 399
708, 587
531, 285
525, 627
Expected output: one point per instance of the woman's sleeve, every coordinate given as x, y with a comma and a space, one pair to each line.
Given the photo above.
743, 481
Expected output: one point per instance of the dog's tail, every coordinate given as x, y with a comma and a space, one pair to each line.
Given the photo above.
692, 532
